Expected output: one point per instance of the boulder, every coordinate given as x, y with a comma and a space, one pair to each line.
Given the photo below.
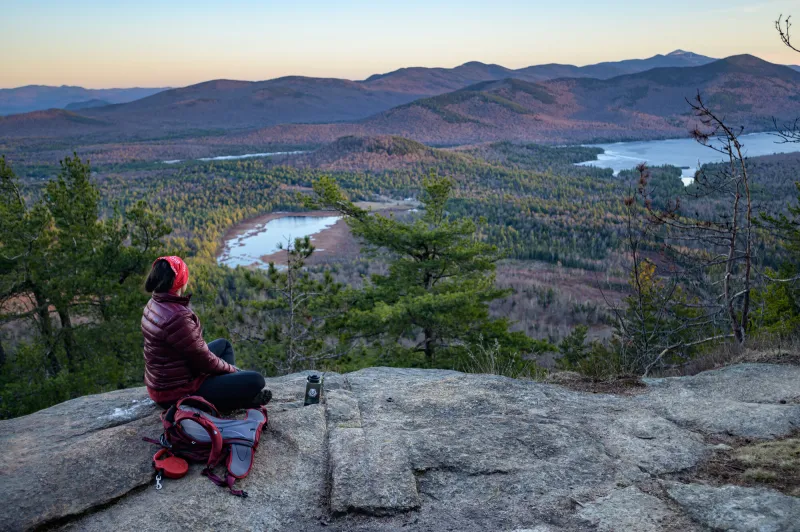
738, 509
405, 449
748, 400
71, 457
631, 509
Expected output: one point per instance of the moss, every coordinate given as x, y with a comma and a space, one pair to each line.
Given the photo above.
775, 463
781, 454
756, 474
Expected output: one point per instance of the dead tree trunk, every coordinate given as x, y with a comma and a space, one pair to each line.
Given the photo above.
68, 337
710, 251
46, 328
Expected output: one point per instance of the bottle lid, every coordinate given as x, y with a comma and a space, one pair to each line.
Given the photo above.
313, 378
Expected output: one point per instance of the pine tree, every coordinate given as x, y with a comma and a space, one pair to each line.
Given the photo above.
58, 256
289, 321
435, 298
26, 239
779, 301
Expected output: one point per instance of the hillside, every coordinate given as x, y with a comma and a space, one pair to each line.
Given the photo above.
231, 104
410, 449
227, 104
432, 81
378, 153
610, 69
88, 104
746, 90
438, 80
221, 105
39, 97
52, 122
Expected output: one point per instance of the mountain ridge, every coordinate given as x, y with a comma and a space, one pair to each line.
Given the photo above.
28, 98
602, 70
304, 111
413, 81
647, 105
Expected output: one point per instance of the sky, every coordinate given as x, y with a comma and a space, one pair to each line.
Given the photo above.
146, 43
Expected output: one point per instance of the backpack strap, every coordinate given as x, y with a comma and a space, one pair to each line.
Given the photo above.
228, 482
242, 454
214, 435
198, 402
256, 412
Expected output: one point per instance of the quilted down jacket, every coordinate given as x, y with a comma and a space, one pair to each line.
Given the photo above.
177, 359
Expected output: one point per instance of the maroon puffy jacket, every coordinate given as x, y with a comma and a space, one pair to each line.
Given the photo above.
176, 357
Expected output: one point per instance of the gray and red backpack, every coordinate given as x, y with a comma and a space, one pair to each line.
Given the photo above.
194, 430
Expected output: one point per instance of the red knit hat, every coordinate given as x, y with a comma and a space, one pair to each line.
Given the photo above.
180, 269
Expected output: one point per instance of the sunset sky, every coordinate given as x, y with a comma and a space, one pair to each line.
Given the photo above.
115, 43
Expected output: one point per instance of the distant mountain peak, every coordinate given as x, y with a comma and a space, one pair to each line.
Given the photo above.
679, 52
752, 64
482, 66
745, 59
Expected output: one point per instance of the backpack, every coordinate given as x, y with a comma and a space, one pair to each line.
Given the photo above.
193, 430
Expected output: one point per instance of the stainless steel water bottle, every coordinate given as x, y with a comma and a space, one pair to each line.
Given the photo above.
313, 390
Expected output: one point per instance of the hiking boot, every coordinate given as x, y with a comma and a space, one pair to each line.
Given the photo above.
263, 397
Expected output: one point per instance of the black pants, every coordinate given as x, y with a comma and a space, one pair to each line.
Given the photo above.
234, 390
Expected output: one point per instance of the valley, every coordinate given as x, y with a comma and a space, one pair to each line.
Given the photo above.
542, 160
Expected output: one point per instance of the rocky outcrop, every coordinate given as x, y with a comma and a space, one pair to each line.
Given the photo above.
738, 509
402, 449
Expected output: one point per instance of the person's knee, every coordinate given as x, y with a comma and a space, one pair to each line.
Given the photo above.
258, 381
255, 381
224, 345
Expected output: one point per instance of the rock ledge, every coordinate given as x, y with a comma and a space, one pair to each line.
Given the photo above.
406, 449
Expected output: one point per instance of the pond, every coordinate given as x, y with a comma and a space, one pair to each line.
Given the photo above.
686, 153
249, 246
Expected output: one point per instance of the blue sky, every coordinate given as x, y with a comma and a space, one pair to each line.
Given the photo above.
118, 43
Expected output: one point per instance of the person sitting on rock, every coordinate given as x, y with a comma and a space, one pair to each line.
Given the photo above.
178, 362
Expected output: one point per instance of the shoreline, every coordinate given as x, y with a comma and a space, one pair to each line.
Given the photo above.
244, 226
327, 239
